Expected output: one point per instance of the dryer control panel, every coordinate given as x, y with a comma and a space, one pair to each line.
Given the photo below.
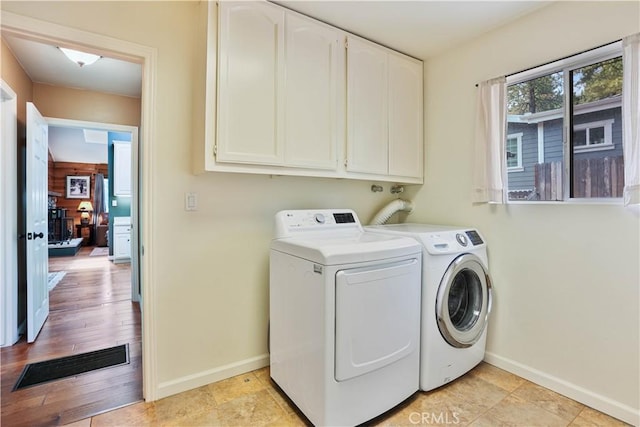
294, 222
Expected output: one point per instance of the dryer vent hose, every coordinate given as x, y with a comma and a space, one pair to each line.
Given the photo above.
385, 213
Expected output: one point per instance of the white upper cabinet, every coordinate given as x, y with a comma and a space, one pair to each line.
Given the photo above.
312, 98
289, 95
264, 118
121, 168
406, 140
251, 71
367, 105
384, 112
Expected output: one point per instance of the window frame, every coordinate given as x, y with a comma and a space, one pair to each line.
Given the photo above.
608, 144
566, 66
518, 136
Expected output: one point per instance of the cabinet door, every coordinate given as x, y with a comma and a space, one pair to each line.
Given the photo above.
121, 245
312, 102
405, 117
121, 169
367, 126
251, 70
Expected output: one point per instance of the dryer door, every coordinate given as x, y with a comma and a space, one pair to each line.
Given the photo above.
377, 316
463, 302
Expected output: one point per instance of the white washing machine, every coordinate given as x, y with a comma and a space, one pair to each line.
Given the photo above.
456, 299
344, 316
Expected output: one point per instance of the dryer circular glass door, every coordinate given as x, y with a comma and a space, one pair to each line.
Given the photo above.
463, 302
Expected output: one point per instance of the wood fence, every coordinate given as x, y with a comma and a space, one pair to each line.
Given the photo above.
549, 184
603, 177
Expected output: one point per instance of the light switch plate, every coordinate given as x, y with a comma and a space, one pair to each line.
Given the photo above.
190, 201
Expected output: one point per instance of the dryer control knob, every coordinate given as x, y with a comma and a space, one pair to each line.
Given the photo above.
319, 218
462, 239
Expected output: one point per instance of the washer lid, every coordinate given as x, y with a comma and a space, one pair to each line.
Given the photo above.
346, 248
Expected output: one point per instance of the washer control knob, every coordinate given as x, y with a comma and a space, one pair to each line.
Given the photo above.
462, 239
319, 218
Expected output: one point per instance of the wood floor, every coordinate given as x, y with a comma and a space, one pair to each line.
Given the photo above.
90, 309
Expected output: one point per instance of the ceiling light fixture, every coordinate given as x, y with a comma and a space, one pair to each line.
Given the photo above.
80, 58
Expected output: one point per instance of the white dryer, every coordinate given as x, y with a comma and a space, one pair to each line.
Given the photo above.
456, 299
344, 316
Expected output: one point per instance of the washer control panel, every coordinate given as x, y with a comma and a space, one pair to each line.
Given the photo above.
452, 241
474, 237
293, 222
462, 239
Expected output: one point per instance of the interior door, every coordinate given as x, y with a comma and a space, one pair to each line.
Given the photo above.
36, 215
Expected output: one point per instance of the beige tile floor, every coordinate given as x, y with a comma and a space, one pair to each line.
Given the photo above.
486, 396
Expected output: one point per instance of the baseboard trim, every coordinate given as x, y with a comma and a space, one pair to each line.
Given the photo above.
190, 382
573, 391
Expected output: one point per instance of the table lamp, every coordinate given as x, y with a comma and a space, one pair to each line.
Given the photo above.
85, 208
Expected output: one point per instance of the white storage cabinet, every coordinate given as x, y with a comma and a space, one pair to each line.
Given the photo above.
121, 168
122, 239
283, 104
263, 119
384, 111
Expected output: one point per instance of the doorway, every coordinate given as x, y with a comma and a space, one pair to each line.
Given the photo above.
55, 34
90, 149
91, 307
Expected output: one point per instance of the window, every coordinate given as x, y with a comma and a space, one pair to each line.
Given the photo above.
105, 195
514, 152
593, 136
582, 93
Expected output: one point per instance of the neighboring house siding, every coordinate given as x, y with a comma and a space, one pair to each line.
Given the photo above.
553, 141
616, 132
553, 144
523, 180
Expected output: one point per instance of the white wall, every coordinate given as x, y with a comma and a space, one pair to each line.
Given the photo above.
566, 277
210, 267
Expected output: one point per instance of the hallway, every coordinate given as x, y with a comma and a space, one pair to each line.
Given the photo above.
90, 309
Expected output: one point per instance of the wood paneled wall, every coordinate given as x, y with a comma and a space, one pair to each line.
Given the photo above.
58, 172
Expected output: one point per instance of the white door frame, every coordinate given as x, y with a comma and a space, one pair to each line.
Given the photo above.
133, 130
9, 333
50, 33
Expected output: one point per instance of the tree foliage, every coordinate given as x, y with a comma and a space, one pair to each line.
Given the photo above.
591, 83
540, 94
597, 81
